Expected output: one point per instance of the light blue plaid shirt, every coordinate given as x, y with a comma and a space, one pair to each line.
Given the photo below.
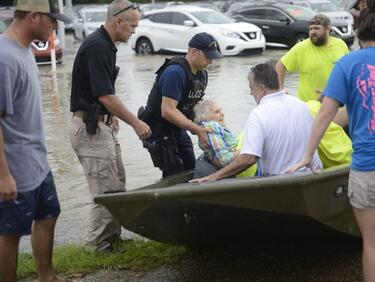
222, 143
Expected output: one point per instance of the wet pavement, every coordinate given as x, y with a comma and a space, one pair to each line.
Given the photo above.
228, 86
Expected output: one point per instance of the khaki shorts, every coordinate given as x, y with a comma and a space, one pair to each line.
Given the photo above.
361, 190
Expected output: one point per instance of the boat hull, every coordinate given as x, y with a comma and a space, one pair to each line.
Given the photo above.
238, 211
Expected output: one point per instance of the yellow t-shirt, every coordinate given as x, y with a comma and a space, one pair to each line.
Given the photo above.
314, 64
250, 171
335, 148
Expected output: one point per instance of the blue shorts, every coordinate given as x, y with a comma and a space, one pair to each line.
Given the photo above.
17, 216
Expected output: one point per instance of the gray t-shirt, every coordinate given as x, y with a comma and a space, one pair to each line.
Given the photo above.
22, 125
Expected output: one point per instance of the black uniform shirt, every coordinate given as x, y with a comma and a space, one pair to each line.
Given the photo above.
94, 70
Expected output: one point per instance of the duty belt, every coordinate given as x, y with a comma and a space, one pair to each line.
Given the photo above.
107, 119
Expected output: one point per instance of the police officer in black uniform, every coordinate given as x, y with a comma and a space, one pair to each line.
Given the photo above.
94, 125
179, 85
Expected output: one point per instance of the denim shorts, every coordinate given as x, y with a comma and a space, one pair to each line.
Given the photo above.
17, 216
361, 190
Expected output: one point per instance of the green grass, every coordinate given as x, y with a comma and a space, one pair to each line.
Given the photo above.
137, 255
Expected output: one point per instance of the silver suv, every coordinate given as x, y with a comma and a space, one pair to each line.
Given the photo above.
325, 7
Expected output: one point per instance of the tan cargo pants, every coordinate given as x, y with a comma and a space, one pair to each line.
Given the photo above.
100, 156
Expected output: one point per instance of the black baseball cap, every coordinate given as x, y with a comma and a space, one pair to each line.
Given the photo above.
50, 7
207, 43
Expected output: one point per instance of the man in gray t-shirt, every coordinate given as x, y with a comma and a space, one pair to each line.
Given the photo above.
22, 125
28, 198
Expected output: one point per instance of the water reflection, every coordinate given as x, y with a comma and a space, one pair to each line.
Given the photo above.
227, 85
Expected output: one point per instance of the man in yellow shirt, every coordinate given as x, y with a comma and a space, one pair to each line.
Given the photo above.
313, 59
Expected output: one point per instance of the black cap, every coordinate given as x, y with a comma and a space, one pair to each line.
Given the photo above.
205, 42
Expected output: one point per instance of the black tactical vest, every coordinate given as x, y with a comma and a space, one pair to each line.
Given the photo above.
193, 93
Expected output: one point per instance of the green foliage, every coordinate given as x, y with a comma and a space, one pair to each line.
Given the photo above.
136, 255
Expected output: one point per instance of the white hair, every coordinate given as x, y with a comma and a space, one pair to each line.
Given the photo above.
202, 109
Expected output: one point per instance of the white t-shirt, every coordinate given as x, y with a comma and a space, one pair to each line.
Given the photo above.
277, 132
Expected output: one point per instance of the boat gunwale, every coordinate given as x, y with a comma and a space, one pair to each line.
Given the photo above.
155, 192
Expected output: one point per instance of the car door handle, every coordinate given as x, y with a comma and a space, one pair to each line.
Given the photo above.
265, 27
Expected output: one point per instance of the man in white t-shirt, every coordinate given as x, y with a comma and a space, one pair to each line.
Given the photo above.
276, 132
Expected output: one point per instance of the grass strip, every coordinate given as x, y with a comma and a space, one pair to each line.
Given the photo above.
137, 255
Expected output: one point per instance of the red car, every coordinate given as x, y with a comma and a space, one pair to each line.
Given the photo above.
40, 49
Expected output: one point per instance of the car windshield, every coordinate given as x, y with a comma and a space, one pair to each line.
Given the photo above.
212, 17
98, 16
324, 7
299, 13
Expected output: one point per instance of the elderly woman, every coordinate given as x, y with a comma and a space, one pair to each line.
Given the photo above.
222, 141
223, 144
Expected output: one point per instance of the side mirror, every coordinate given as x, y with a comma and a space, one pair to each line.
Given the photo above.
189, 23
285, 20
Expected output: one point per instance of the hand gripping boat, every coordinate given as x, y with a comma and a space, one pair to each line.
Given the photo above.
238, 211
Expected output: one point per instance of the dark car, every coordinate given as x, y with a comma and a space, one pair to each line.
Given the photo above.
40, 49
284, 24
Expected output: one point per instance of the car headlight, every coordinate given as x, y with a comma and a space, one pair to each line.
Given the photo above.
341, 29
230, 34
41, 44
334, 30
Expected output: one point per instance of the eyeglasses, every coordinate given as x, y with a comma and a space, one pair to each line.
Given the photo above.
133, 6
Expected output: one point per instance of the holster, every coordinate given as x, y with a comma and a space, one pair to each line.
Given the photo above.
91, 117
91, 121
162, 145
163, 152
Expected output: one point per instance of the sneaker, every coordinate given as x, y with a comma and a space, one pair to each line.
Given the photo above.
107, 249
104, 247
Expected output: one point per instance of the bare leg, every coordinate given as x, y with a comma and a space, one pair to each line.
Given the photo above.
366, 221
42, 242
8, 258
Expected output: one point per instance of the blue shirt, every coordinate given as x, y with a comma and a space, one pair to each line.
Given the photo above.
173, 81
352, 83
